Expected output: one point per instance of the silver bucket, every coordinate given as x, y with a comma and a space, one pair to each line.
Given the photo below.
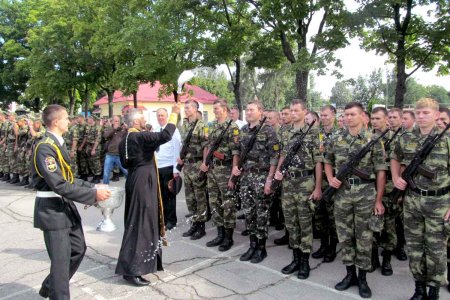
108, 206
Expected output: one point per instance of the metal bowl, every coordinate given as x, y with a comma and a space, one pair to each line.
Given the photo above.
116, 198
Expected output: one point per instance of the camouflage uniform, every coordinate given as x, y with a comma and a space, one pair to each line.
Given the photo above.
31, 142
298, 185
222, 200
22, 138
70, 137
354, 206
195, 189
4, 165
81, 155
423, 215
94, 135
11, 143
262, 156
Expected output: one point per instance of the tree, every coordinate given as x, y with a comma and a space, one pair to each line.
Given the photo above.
289, 22
214, 82
438, 93
366, 89
414, 91
340, 94
410, 40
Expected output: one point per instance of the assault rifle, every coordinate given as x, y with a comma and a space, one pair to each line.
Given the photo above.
415, 166
186, 142
247, 149
214, 147
388, 143
349, 167
287, 162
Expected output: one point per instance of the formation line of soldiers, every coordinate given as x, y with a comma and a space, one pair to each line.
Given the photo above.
362, 216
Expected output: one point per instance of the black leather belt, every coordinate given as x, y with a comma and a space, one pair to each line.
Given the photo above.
257, 170
299, 174
223, 163
427, 193
192, 160
357, 181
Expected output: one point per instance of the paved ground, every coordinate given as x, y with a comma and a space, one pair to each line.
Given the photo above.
192, 271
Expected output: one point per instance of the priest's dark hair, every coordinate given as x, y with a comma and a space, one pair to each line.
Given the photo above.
51, 113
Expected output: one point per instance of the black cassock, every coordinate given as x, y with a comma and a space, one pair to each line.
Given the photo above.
140, 252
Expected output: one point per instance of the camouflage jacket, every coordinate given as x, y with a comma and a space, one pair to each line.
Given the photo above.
344, 144
4, 128
265, 150
199, 138
70, 136
11, 137
230, 143
94, 134
309, 154
325, 139
82, 128
32, 139
437, 162
23, 136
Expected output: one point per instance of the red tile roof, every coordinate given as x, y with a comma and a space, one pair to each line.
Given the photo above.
148, 93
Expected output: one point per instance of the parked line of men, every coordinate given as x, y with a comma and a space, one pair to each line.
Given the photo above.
326, 147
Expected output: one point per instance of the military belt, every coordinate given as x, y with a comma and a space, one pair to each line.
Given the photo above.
192, 160
427, 193
357, 181
224, 163
256, 170
299, 174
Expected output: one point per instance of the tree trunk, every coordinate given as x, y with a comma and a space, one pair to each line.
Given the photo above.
237, 86
86, 104
135, 103
71, 93
301, 81
110, 102
400, 88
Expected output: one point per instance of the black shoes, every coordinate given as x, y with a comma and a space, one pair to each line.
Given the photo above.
349, 279
44, 292
218, 239
363, 287
294, 265
260, 252
400, 253
136, 280
386, 268
191, 230
115, 177
330, 254
420, 292
375, 259
227, 241
433, 293
251, 250
320, 253
170, 226
199, 232
284, 240
303, 270
245, 232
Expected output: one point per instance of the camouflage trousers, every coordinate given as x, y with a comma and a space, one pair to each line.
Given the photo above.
298, 211
255, 203
223, 210
28, 162
352, 208
82, 162
73, 163
12, 159
324, 219
21, 161
4, 164
94, 161
426, 240
195, 191
389, 234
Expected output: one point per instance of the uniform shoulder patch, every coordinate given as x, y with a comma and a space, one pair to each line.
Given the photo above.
50, 162
236, 131
276, 147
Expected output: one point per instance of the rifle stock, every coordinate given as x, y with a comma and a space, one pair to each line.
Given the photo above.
186, 142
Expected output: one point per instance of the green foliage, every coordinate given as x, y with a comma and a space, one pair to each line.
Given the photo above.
214, 82
340, 94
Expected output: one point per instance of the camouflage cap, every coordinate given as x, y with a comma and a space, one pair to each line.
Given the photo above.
376, 223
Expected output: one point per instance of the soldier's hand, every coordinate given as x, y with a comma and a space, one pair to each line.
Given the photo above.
72, 154
180, 162
278, 175
400, 183
231, 185
102, 195
316, 195
204, 167
336, 183
267, 189
176, 109
378, 209
447, 215
93, 152
236, 172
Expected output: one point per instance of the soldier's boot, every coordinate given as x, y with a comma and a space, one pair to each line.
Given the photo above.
363, 287
386, 268
375, 259
350, 279
433, 293
400, 249
260, 252
1, 175
284, 240
400, 253
295, 263
320, 253
6, 177
218, 239
330, 255
15, 179
191, 230
420, 292
448, 277
115, 177
245, 232
96, 179
24, 181
228, 240
200, 232
303, 270
251, 250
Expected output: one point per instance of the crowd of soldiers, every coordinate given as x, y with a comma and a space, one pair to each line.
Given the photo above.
362, 216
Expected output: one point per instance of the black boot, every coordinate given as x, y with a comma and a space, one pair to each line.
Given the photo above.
1, 175
191, 230
23, 182
260, 252
295, 264
284, 240
96, 179
249, 254
219, 238
386, 268
227, 241
448, 275
400, 253
349, 279
15, 179
330, 254
245, 232
303, 270
6, 177
420, 292
200, 232
375, 259
115, 177
433, 293
364, 289
320, 253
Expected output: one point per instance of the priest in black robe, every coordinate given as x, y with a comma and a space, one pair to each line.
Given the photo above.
141, 251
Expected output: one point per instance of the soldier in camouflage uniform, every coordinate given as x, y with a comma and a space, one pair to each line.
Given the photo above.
257, 173
11, 149
219, 184
83, 171
93, 149
426, 205
37, 130
195, 189
357, 200
22, 138
324, 215
3, 130
71, 138
300, 188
